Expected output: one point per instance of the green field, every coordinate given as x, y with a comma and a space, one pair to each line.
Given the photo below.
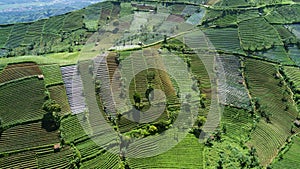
275, 109
29, 106
52, 74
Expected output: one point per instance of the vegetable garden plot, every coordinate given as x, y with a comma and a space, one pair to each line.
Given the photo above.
257, 34
20, 160
233, 3
72, 128
231, 90
291, 157
276, 54
17, 37
74, 88
55, 160
34, 33
4, 31
103, 160
106, 93
186, 154
54, 24
52, 74
196, 18
226, 39
19, 70
189, 10
26, 136
275, 104
58, 93
284, 33
295, 28
73, 21
16, 107
92, 15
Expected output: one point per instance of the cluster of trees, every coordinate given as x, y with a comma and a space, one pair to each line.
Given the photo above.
51, 120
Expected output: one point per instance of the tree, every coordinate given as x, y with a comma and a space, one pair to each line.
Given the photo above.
51, 120
137, 99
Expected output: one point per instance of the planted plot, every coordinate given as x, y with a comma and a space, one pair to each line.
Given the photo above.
52, 74
226, 39
196, 18
285, 34
17, 36
54, 24
74, 88
91, 17
105, 11
257, 34
22, 101
4, 31
291, 13
72, 127
275, 107
88, 149
73, 21
248, 14
19, 70
233, 3
276, 54
186, 154
27, 136
226, 21
58, 93
231, 89
176, 8
189, 10
295, 28
293, 73
291, 158
20, 160
55, 160
236, 124
34, 33
103, 160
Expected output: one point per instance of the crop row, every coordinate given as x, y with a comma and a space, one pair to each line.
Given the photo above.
29, 105
231, 82
18, 138
257, 34
275, 108
74, 88
20, 70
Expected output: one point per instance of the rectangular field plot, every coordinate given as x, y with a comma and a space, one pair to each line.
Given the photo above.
26, 136
19, 70
285, 14
74, 88
276, 109
22, 101
232, 90
186, 154
52, 74
226, 39
257, 34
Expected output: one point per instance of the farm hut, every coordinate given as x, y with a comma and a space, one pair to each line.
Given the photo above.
56, 147
41, 77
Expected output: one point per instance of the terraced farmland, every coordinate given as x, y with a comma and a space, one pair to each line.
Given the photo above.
58, 93
52, 74
186, 154
232, 90
257, 34
17, 138
275, 103
19, 70
291, 158
29, 105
